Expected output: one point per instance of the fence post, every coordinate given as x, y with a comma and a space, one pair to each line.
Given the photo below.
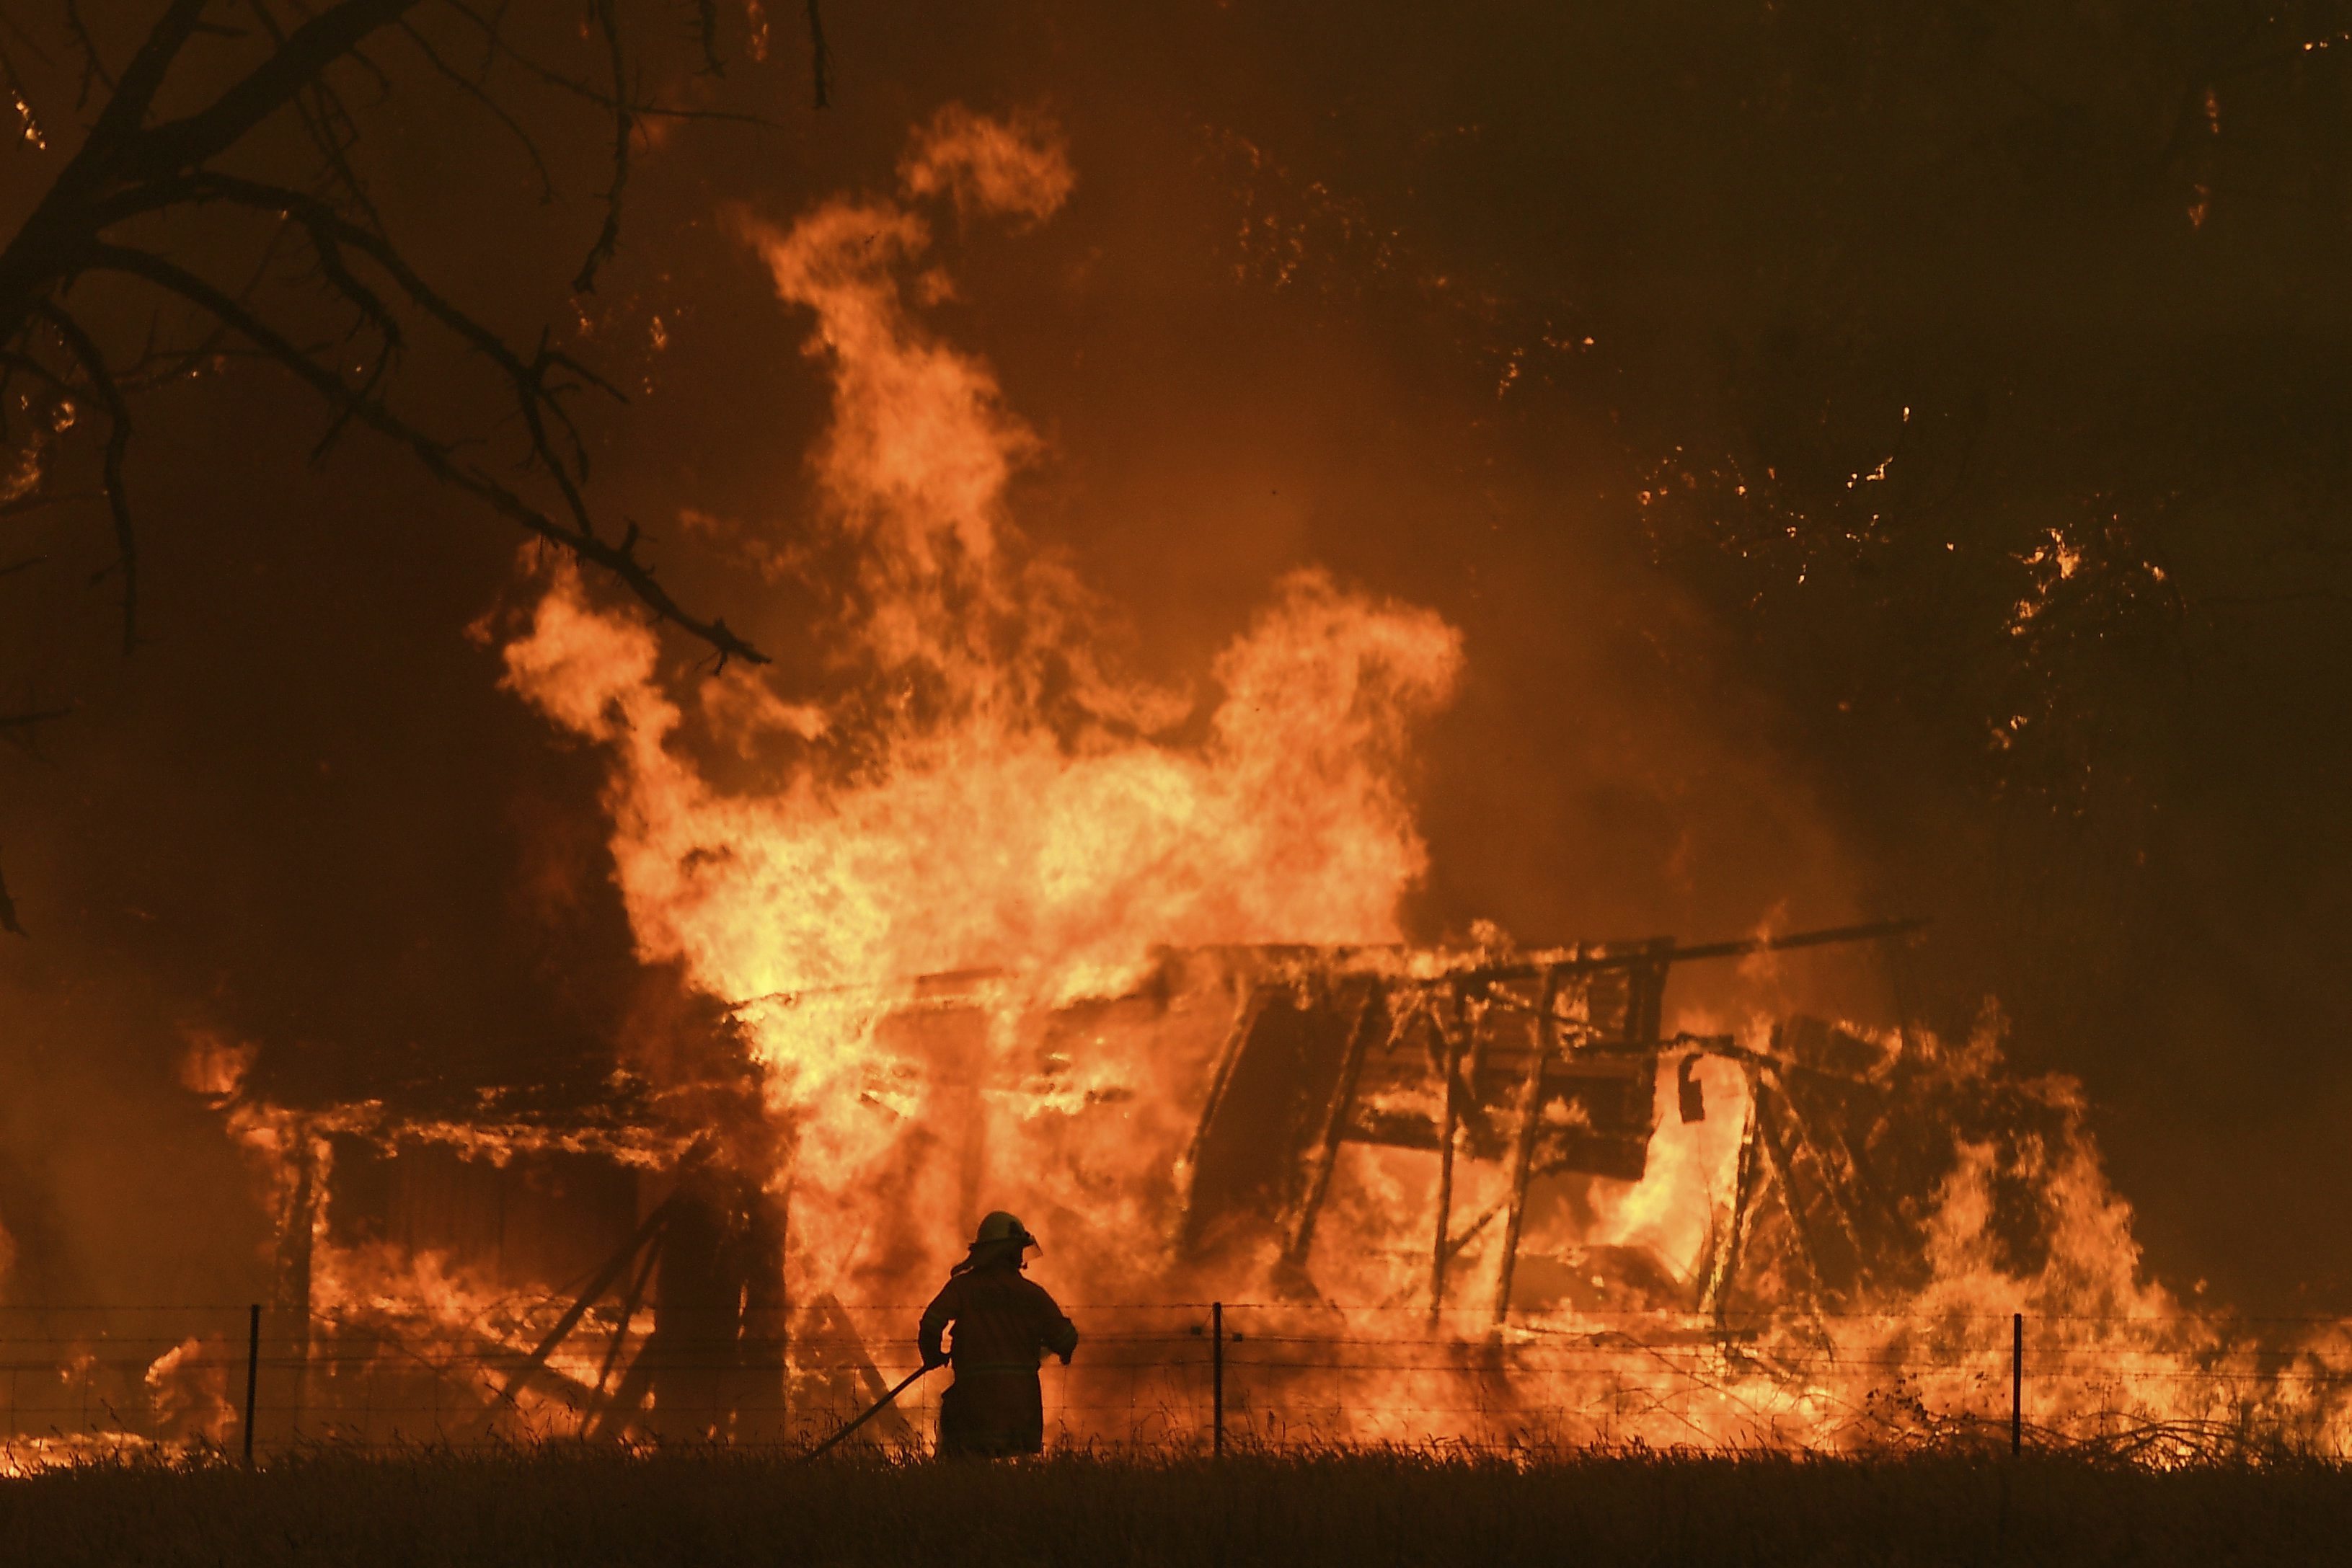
2016, 1384
1217, 1376
252, 1375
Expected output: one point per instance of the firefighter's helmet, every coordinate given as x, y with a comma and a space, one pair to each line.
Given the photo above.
1002, 1227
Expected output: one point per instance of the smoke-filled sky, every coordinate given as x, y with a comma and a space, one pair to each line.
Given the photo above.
1878, 458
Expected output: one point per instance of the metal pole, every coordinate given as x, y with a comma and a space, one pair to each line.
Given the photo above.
2016, 1384
1217, 1374
252, 1376
871, 1411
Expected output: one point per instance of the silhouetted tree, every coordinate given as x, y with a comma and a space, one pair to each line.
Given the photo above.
221, 123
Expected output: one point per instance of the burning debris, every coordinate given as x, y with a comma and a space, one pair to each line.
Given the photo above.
1459, 1185
1542, 1067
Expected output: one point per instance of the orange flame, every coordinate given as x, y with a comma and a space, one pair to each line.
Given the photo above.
988, 794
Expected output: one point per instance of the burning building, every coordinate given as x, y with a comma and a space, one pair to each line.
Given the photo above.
970, 919
1500, 1159
522, 1235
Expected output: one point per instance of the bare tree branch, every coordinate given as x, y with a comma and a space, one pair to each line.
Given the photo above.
309, 50
578, 537
495, 44
609, 236
706, 22
473, 89
92, 68
126, 168
118, 441
127, 108
138, 162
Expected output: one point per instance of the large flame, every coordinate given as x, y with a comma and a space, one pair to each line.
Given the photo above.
980, 791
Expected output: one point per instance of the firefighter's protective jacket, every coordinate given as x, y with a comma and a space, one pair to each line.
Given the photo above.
1004, 1323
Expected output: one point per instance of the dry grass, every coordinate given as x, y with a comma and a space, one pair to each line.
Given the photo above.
1354, 1511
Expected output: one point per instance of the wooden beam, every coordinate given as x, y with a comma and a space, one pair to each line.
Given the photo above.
1451, 1047
603, 1280
630, 1301
1776, 1170
1236, 1040
1335, 1131
1731, 1237
1522, 1151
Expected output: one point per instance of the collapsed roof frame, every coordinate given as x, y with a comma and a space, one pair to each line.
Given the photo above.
1574, 1091
1578, 1093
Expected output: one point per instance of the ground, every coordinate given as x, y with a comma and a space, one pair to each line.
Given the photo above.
710, 1509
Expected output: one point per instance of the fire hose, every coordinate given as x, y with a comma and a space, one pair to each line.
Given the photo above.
871, 1411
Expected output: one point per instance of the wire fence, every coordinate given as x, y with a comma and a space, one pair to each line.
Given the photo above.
76, 1382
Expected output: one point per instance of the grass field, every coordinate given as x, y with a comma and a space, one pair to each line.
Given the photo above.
711, 1510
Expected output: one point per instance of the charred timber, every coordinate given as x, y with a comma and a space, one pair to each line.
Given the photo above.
949, 986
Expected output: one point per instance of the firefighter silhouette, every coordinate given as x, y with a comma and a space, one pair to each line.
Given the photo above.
1004, 1324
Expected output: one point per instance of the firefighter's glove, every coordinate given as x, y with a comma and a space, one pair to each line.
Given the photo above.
934, 1356
1066, 1358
